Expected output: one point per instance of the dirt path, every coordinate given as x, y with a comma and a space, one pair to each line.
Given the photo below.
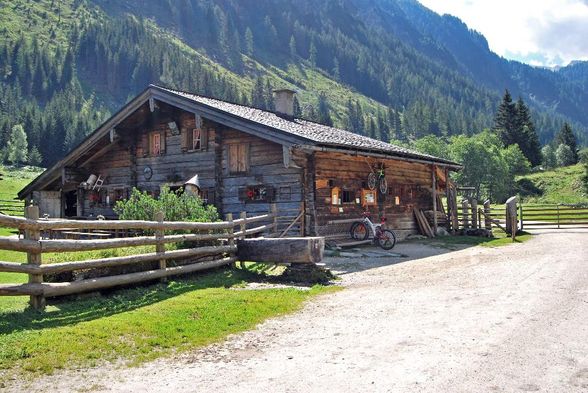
509, 319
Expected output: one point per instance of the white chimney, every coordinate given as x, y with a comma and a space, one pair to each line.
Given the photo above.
284, 102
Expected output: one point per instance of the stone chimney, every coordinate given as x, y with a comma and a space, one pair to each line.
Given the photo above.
284, 102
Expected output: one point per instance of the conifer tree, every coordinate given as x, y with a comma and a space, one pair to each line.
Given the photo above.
505, 121
312, 54
258, 94
527, 137
293, 51
249, 42
566, 137
323, 112
297, 108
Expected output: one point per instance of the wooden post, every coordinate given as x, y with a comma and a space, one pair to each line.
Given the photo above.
511, 216
34, 258
558, 227
521, 215
160, 248
465, 211
231, 231
275, 214
243, 227
475, 219
487, 219
434, 175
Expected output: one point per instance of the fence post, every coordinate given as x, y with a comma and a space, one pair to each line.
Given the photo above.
475, 213
511, 216
275, 214
487, 219
243, 228
558, 227
465, 211
229, 219
521, 215
160, 247
34, 258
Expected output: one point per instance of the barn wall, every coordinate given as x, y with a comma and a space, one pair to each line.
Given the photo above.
411, 182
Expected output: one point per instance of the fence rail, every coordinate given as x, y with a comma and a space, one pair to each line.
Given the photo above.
554, 216
11, 206
221, 252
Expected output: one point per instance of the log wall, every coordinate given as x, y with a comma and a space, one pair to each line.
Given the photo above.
410, 182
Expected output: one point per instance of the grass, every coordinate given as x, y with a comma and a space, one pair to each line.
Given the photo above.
561, 185
139, 324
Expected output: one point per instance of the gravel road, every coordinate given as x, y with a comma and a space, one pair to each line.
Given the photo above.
509, 319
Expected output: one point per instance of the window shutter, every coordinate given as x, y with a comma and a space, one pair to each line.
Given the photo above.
146, 145
244, 157
162, 142
204, 139
185, 144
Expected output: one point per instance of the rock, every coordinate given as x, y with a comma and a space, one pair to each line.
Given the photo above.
442, 232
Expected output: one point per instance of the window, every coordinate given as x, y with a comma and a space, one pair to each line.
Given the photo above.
156, 143
195, 139
347, 196
238, 158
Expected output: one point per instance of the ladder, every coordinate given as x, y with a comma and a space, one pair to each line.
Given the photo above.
99, 182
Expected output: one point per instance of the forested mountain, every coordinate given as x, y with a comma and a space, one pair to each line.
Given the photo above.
385, 68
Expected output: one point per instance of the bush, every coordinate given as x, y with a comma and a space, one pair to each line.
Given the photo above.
176, 206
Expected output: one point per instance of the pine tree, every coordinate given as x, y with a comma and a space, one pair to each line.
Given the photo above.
312, 54
323, 112
566, 137
293, 51
35, 157
297, 108
527, 137
249, 42
258, 95
505, 121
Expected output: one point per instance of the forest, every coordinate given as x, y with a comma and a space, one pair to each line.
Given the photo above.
66, 66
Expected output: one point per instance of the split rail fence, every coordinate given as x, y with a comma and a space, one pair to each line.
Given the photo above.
11, 207
215, 242
554, 216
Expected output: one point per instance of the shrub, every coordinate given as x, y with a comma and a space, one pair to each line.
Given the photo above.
176, 206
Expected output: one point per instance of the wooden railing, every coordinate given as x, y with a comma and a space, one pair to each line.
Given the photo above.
221, 252
12, 207
554, 216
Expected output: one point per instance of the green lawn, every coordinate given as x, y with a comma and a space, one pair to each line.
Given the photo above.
561, 185
138, 324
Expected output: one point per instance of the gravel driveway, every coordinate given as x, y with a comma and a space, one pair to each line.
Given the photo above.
509, 319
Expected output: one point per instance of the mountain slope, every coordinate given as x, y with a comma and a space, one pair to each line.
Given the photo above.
385, 68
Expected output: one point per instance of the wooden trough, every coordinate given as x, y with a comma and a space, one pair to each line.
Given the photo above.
293, 250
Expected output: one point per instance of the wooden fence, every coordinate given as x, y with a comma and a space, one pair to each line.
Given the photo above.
553, 216
11, 207
220, 250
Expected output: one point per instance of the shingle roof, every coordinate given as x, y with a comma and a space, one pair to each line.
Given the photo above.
316, 134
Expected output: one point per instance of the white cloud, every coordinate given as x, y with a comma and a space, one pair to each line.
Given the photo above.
546, 32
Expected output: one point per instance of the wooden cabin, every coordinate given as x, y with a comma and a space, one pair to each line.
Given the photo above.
239, 159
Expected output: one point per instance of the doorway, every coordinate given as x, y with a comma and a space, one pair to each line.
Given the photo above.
71, 204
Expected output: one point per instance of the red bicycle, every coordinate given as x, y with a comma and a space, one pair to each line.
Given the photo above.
360, 230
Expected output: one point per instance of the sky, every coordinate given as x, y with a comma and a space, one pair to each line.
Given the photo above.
536, 32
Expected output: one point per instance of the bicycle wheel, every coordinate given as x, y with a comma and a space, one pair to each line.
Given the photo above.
359, 231
372, 180
387, 239
383, 186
